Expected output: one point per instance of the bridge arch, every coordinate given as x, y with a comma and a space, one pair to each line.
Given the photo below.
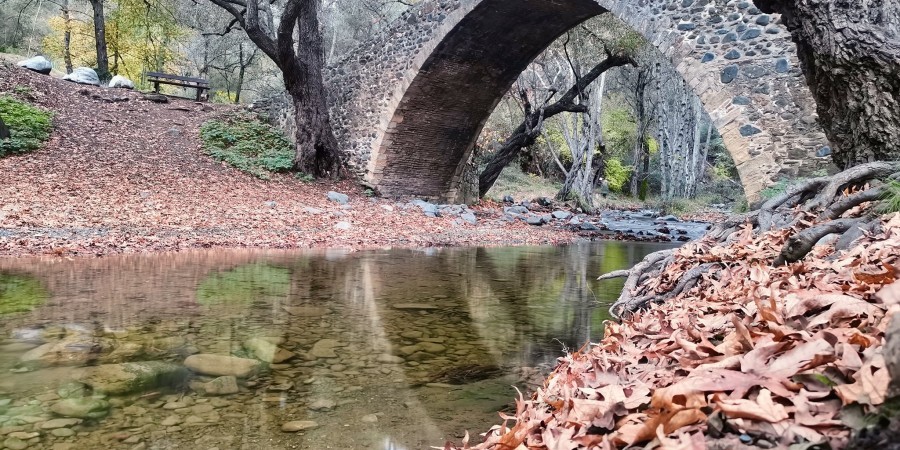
409, 104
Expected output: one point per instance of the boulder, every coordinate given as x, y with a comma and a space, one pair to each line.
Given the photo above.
222, 365
430, 209
337, 197
561, 215
38, 64
116, 379
83, 75
121, 82
266, 351
515, 209
82, 408
469, 218
534, 220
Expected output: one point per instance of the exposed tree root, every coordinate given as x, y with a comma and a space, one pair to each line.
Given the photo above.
841, 207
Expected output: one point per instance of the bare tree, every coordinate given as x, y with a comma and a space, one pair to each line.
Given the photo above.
296, 47
530, 128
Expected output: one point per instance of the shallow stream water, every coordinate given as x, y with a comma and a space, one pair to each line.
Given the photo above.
382, 349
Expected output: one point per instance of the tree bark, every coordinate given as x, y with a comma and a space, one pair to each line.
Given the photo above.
100, 39
67, 35
850, 55
317, 148
4, 131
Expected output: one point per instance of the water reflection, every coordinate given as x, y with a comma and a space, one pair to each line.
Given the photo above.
394, 349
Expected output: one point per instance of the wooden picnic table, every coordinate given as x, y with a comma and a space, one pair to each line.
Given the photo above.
158, 78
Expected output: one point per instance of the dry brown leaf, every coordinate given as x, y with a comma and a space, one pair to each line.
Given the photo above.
890, 295
802, 357
763, 408
871, 384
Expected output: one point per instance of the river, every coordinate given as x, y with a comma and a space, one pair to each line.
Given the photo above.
383, 349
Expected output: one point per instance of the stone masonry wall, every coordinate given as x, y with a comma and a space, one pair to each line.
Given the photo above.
739, 61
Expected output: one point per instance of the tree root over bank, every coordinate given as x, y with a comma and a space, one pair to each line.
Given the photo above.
839, 206
723, 345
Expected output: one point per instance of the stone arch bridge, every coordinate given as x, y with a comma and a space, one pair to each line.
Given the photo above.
408, 105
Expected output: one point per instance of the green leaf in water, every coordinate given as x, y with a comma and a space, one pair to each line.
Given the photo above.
243, 285
20, 293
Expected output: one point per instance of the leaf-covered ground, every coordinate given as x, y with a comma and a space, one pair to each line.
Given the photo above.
129, 176
753, 355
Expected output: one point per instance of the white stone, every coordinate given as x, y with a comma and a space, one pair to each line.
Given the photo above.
119, 81
37, 64
83, 75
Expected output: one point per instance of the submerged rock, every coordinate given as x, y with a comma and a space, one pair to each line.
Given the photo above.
324, 349
306, 311
267, 351
130, 377
82, 408
298, 425
75, 349
415, 306
222, 365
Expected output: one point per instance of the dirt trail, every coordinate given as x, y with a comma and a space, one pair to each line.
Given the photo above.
129, 176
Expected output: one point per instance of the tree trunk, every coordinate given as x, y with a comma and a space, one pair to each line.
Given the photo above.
100, 39
850, 54
241, 70
317, 149
67, 35
4, 131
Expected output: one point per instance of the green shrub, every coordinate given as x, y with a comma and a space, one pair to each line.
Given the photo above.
247, 144
890, 202
28, 126
616, 174
774, 190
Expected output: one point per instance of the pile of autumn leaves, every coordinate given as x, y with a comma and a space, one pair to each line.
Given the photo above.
754, 354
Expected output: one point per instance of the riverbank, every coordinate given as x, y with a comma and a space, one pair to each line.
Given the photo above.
755, 355
121, 174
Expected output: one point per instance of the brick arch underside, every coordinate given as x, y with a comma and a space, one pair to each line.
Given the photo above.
434, 127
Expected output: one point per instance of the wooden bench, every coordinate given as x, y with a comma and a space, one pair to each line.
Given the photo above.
158, 78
